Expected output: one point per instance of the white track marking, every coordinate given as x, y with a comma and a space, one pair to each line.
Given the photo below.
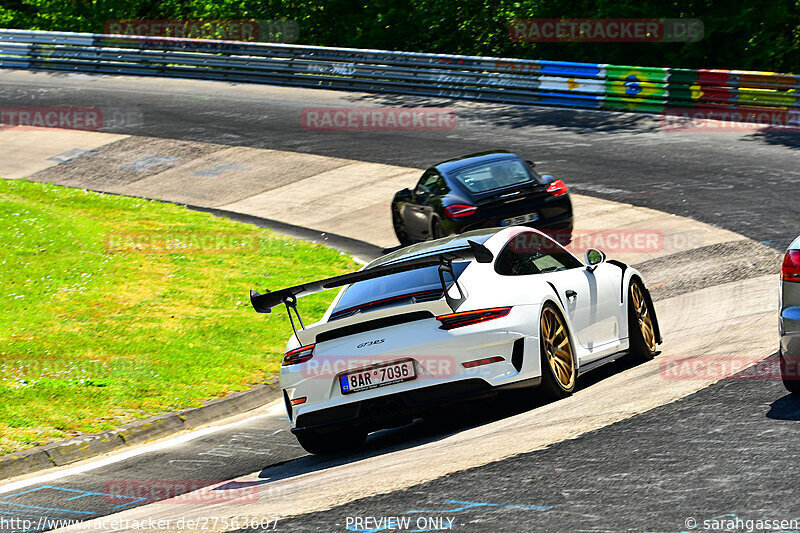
275, 409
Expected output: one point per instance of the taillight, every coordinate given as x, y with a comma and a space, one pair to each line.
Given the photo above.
298, 355
459, 210
457, 320
557, 188
791, 266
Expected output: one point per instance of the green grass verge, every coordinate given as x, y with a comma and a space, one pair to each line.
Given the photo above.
119, 308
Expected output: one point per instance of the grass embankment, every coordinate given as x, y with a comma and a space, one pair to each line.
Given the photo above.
119, 308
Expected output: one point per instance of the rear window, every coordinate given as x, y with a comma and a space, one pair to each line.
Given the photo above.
398, 289
494, 175
533, 253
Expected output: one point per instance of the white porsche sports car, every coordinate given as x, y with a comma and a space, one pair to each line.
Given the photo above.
454, 319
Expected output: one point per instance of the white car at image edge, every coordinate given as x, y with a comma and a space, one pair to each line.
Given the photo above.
789, 321
454, 319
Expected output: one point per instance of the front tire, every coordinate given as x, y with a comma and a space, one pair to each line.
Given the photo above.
333, 442
641, 329
559, 372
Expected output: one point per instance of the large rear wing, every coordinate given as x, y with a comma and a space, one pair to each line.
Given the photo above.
263, 303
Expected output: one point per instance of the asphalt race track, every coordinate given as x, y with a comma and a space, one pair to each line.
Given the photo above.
743, 181
722, 453
728, 450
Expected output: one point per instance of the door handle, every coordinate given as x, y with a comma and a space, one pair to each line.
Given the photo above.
571, 294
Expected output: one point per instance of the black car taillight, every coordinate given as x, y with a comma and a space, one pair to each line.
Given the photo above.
459, 210
298, 355
790, 271
457, 320
557, 188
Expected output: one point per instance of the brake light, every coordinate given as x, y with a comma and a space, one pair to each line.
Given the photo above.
298, 355
459, 210
557, 188
791, 266
457, 320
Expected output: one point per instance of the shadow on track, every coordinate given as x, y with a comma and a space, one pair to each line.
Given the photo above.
787, 137
518, 116
449, 421
786, 408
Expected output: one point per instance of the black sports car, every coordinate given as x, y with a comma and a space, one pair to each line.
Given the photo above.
482, 190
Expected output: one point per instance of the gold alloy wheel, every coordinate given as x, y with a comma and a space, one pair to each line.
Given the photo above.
643, 317
557, 348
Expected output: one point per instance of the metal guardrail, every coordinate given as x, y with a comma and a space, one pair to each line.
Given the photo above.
512, 81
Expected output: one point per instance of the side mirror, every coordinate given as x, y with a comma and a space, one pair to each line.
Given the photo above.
592, 258
531, 163
404, 194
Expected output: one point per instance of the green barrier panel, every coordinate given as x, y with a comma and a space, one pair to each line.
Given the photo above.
684, 92
682, 77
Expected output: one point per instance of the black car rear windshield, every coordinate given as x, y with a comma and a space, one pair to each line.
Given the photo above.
493, 175
397, 289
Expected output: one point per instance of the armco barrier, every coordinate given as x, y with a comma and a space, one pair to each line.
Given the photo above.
489, 79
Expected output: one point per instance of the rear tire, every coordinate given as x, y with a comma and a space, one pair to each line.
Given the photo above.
437, 231
559, 372
334, 442
791, 379
399, 229
641, 329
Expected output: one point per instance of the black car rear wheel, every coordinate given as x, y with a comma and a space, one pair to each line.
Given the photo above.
437, 231
400, 229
